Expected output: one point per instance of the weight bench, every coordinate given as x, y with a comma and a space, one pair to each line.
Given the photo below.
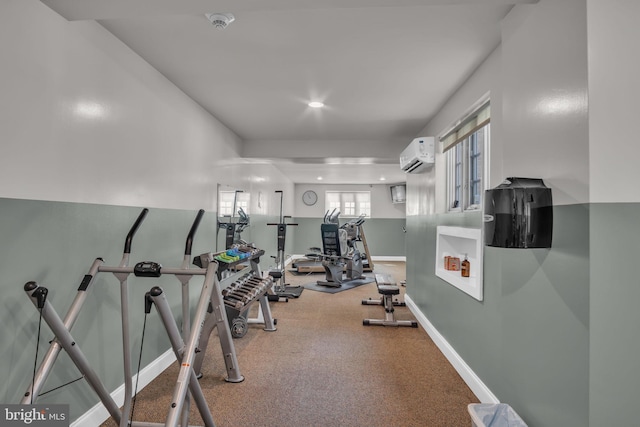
388, 289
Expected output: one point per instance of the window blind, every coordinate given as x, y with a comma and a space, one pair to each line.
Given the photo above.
467, 126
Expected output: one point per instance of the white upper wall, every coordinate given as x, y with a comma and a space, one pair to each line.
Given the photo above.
545, 110
485, 79
537, 80
614, 90
84, 119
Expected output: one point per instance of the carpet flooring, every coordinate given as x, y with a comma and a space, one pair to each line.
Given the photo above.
322, 367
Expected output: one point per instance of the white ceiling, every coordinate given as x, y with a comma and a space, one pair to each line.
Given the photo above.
382, 67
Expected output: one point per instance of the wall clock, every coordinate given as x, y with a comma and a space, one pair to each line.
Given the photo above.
309, 197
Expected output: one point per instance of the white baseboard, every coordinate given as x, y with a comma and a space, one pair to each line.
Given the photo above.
381, 258
478, 388
99, 414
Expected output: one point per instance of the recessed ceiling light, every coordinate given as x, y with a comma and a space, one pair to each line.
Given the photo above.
382, 178
319, 178
316, 104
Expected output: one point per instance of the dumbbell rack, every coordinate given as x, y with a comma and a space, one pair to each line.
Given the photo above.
238, 292
239, 296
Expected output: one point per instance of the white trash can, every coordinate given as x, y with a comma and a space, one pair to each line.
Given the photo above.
494, 415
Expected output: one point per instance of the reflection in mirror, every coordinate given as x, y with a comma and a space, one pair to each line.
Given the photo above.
230, 201
233, 215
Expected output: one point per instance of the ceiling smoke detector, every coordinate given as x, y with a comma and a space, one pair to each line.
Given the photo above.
220, 20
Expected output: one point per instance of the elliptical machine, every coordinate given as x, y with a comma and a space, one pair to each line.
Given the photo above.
341, 258
312, 261
280, 288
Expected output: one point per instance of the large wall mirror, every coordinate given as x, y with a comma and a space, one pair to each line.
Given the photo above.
233, 216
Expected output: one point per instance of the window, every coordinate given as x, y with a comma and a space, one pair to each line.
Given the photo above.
466, 177
476, 149
349, 203
466, 147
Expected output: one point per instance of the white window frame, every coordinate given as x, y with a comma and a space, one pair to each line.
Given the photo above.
351, 204
463, 201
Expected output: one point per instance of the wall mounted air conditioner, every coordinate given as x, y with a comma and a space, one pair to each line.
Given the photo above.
419, 155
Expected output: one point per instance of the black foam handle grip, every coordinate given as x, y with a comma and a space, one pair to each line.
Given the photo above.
192, 232
41, 296
132, 232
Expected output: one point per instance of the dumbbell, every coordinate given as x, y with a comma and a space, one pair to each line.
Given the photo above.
246, 289
268, 281
260, 283
248, 279
237, 285
254, 279
245, 277
228, 291
245, 298
236, 305
242, 283
254, 283
246, 286
238, 296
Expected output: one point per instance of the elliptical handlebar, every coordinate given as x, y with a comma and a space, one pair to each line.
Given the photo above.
244, 218
355, 221
332, 218
192, 232
134, 229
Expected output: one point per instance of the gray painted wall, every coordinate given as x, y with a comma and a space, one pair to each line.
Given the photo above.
54, 243
528, 341
614, 320
385, 237
614, 89
384, 231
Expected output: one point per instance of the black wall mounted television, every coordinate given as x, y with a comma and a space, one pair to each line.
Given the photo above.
398, 193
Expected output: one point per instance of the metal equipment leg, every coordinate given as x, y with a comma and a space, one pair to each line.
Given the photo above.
159, 299
388, 289
66, 341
